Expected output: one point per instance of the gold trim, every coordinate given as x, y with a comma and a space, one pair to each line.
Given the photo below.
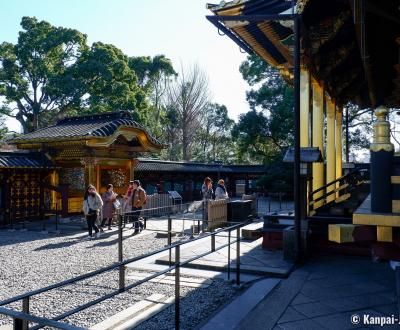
232, 11
395, 179
248, 38
381, 140
301, 5
396, 206
342, 198
271, 35
384, 234
389, 220
341, 233
129, 133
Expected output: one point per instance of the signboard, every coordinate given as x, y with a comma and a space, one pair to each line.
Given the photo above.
174, 194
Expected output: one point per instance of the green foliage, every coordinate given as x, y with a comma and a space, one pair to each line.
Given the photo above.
360, 127
154, 75
265, 131
214, 135
279, 178
3, 129
38, 74
51, 72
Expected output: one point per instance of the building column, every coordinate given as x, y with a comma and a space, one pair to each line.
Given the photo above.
339, 147
382, 152
318, 137
91, 174
304, 107
330, 148
98, 184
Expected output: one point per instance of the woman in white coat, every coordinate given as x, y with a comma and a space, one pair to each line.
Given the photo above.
220, 191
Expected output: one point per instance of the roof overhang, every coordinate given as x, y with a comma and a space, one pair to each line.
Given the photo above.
147, 144
341, 43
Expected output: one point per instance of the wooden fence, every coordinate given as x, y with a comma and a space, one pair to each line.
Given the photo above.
217, 213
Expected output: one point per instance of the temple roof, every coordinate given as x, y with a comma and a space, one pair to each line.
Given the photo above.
155, 165
24, 160
352, 48
106, 126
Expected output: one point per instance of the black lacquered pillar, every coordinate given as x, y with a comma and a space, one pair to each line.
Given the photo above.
382, 152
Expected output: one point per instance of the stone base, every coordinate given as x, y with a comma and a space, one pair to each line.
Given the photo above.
289, 243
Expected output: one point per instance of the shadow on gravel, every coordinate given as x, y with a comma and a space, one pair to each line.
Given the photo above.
103, 243
59, 245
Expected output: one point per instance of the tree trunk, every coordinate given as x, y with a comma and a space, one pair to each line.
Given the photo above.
185, 144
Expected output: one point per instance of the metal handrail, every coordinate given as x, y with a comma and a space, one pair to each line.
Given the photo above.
350, 180
37, 319
113, 266
21, 319
334, 181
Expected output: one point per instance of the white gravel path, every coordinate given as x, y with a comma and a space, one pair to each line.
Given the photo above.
31, 260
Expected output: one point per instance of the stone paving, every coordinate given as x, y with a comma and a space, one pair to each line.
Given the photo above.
253, 259
326, 293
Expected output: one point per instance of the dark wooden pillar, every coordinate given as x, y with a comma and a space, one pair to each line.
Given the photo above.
64, 200
246, 185
41, 195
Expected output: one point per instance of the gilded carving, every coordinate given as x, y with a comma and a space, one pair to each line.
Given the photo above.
381, 140
301, 4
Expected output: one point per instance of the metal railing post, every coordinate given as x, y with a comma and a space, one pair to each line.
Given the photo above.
169, 235
238, 256
18, 324
212, 243
25, 309
177, 286
120, 256
56, 216
229, 255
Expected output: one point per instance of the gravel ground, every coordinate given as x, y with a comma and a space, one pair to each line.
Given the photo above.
196, 307
31, 260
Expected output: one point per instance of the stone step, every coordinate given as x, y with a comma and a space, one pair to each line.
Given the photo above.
192, 282
231, 315
252, 231
135, 314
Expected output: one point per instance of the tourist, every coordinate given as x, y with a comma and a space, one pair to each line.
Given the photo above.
139, 198
92, 205
206, 189
127, 206
109, 198
207, 193
220, 191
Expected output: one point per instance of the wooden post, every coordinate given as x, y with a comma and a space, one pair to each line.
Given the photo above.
304, 107
330, 147
318, 137
339, 148
98, 177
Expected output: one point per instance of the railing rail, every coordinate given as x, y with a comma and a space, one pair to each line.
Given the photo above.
22, 319
346, 184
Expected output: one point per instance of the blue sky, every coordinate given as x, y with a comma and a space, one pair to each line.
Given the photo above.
176, 28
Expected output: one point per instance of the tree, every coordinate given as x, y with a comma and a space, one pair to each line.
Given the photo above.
51, 71
38, 73
263, 133
215, 136
154, 75
3, 129
172, 134
189, 96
